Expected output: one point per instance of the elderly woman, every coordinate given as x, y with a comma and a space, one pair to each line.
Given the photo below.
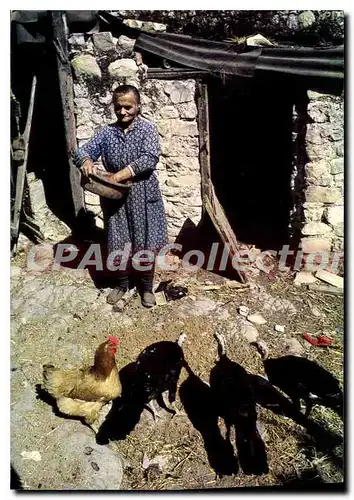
130, 149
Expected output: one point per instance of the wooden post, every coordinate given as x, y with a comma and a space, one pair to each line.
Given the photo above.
204, 141
22, 148
67, 99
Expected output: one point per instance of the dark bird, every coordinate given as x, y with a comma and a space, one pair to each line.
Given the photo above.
301, 378
156, 371
200, 406
235, 403
268, 396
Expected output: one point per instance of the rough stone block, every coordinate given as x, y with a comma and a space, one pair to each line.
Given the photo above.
184, 180
182, 164
187, 110
84, 132
168, 112
86, 65
306, 19
315, 228
312, 245
317, 115
81, 102
334, 215
313, 211
184, 128
337, 166
304, 277
338, 179
318, 173
176, 146
179, 92
313, 136
123, 68
322, 194
80, 90
340, 150
164, 128
77, 40
126, 43
103, 41
154, 27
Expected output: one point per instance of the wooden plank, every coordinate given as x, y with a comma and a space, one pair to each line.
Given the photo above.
174, 73
21, 169
222, 225
204, 141
332, 279
325, 289
67, 99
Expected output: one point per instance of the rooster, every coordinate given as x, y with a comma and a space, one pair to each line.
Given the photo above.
82, 392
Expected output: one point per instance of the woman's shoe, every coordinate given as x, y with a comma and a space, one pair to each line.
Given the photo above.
115, 295
148, 299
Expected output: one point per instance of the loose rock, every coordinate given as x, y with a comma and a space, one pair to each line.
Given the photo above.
304, 277
249, 332
294, 347
257, 319
243, 310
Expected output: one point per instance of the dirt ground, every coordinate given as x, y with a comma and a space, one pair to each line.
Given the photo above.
68, 332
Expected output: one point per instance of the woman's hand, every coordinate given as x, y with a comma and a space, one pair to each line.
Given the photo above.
88, 168
117, 177
123, 175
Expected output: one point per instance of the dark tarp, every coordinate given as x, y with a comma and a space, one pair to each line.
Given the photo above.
311, 68
320, 69
201, 54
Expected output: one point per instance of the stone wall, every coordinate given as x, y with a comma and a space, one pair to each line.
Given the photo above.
100, 63
318, 172
324, 189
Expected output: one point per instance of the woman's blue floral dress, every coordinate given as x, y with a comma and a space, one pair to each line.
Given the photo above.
139, 219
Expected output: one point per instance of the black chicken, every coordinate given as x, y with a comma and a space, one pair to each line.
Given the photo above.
267, 396
301, 378
232, 392
198, 402
157, 370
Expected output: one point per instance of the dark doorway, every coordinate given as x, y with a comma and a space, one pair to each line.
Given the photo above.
251, 157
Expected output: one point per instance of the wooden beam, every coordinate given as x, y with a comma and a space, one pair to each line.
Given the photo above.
325, 289
174, 73
60, 42
22, 145
222, 225
204, 140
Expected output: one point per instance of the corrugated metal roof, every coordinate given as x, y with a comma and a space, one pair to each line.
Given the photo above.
320, 69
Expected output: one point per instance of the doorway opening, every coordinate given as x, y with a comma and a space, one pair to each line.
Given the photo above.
251, 157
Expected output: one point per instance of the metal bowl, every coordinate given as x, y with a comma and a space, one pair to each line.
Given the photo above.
100, 183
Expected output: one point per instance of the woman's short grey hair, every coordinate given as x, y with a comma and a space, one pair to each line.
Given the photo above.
125, 89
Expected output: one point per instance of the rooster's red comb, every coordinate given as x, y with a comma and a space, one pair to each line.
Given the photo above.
112, 339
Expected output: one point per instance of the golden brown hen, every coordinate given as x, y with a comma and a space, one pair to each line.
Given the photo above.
82, 392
